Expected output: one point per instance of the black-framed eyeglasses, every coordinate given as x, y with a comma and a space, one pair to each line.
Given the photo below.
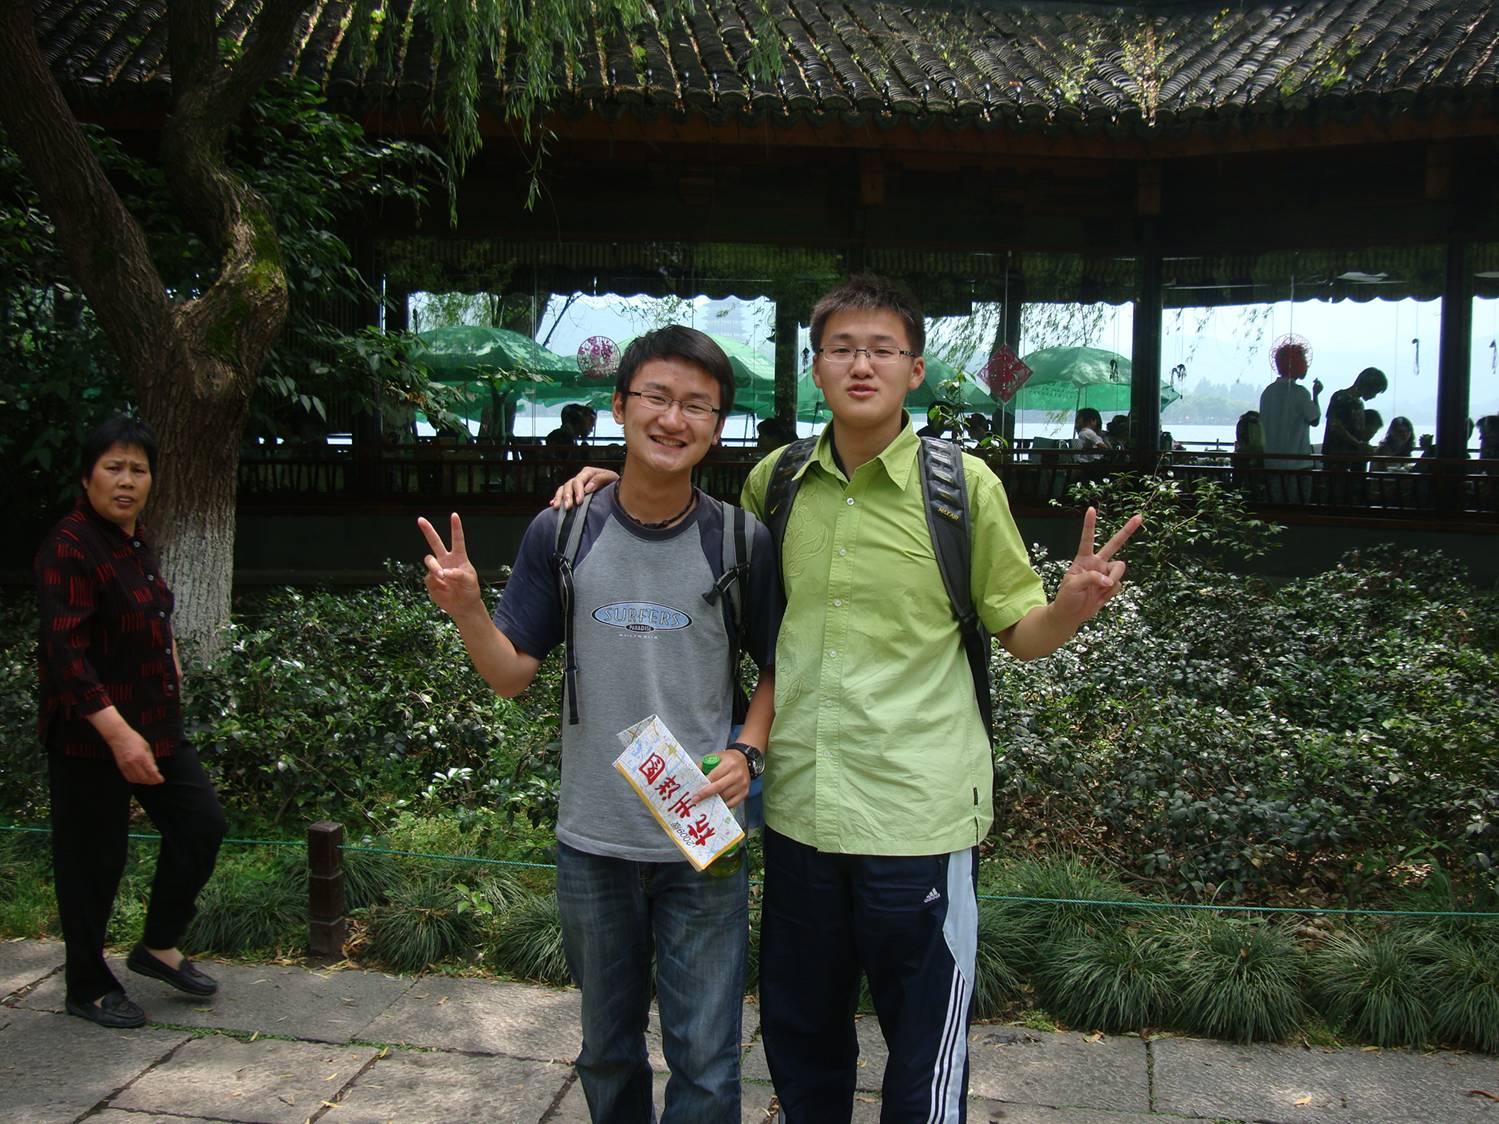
878, 356
660, 403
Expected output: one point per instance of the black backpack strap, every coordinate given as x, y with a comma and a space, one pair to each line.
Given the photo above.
738, 542
944, 493
564, 558
784, 482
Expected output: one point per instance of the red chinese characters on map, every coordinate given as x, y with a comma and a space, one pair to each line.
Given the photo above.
699, 831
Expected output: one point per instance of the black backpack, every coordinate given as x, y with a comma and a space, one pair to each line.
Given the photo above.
944, 493
729, 589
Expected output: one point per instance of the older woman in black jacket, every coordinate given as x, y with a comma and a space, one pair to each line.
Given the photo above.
111, 720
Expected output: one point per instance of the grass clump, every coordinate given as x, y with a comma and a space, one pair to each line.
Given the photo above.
1003, 945
1235, 978
249, 905
1033, 928
1375, 986
425, 921
1465, 991
526, 940
369, 879
1113, 978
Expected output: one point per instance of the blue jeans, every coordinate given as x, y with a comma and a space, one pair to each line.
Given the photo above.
615, 914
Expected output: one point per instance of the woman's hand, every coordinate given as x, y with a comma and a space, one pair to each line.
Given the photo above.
134, 759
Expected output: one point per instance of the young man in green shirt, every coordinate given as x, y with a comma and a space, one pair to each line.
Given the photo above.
878, 781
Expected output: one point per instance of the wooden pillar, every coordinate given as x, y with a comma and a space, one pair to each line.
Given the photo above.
788, 323
1145, 358
365, 437
1009, 334
1454, 372
327, 928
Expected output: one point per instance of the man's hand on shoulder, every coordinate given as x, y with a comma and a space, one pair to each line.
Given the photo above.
589, 479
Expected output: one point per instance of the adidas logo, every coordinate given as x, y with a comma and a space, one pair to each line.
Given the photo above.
931, 896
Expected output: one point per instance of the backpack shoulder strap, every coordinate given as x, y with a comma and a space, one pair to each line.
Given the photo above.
564, 558
944, 493
738, 542
784, 482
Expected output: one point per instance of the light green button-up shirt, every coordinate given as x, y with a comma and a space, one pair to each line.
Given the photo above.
877, 746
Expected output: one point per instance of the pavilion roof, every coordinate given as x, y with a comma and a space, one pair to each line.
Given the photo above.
1035, 66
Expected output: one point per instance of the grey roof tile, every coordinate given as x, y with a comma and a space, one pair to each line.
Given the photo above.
1039, 65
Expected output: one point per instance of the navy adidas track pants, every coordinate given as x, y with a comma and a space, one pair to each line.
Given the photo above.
910, 924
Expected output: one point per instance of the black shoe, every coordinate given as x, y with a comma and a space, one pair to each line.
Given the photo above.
184, 977
114, 1010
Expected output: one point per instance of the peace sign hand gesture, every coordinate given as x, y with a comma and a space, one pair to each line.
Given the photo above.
1094, 577
452, 581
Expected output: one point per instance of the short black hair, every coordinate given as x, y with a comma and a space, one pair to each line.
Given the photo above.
1374, 379
868, 292
1088, 413
678, 342
120, 429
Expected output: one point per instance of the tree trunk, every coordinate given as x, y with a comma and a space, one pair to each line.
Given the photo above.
197, 502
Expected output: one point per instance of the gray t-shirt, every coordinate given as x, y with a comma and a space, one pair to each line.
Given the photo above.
646, 642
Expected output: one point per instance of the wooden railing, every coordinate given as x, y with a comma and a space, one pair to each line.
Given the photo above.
520, 479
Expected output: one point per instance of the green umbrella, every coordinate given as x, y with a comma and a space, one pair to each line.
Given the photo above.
466, 353
485, 360
1065, 379
754, 377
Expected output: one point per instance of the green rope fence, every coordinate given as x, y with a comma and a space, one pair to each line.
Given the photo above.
1312, 911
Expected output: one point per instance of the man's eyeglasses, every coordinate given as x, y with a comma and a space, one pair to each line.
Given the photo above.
878, 356
660, 403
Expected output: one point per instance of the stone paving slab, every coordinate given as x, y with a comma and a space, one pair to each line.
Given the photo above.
1289, 1084
406, 1085
504, 1052
483, 1017
23, 963
1058, 1069
318, 1005
1393, 1084
54, 1068
268, 1081
754, 1107
998, 1112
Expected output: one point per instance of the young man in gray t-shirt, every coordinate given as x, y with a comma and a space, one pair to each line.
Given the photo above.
645, 641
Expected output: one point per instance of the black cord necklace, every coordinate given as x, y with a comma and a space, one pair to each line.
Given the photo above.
665, 523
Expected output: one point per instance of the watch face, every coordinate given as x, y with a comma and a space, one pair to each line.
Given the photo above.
752, 757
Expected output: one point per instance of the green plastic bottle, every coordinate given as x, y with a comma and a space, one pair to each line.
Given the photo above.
728, 863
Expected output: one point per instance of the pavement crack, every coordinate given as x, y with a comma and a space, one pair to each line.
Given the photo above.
103, 1102
556, 1105
337, 1098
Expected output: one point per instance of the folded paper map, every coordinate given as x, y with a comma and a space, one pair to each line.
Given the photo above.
665, 776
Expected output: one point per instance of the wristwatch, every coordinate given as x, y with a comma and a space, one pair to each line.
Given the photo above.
752, 757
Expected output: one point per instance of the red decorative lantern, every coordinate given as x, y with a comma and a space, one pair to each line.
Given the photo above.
1006, 373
